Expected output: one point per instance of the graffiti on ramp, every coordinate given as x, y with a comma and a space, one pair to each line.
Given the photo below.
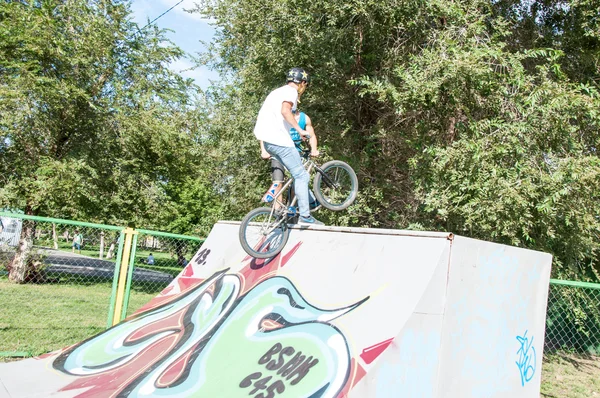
233, 334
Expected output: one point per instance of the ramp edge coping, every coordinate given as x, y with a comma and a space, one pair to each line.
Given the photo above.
368, 231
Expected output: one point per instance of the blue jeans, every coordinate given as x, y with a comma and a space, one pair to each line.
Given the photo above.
290, 158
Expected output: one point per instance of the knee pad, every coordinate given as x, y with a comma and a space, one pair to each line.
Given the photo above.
276, 170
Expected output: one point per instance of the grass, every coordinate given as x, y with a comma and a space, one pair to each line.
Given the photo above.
43, 318
39, 318
93, 251
570, 376
171, 270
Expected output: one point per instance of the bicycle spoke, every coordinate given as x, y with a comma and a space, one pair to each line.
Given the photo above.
265, 232
337, 185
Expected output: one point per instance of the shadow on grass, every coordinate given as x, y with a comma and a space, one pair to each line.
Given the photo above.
76, 279
147, 287
581, 362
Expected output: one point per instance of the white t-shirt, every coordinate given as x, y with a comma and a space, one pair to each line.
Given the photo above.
270, 125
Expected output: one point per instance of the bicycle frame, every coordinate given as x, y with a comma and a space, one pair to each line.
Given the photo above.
309, 165
274, 218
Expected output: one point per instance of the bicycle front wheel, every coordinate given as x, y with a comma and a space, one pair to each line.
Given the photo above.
335, 185
263, 234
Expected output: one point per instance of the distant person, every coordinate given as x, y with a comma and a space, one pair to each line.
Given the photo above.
150, 260
77, 241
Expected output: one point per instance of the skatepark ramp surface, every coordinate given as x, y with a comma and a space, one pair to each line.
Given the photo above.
340, 312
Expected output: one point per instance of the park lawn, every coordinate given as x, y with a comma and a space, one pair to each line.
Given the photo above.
161, 259
570, 376
171, 270
93, 250
42, 318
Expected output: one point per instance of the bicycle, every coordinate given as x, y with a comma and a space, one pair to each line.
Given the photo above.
264, 231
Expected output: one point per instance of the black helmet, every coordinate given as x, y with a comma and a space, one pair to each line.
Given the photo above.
298, 75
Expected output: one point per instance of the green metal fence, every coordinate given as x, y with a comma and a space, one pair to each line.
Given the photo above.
63, 284
573, 317
56, 289
158, 257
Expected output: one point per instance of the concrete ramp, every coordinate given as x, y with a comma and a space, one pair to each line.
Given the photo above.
341, 312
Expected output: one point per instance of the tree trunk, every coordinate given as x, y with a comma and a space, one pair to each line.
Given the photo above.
111, 251
101, 245
26, 266
54, 236
17, 269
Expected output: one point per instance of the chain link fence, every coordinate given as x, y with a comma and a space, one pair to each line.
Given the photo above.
573, 318
56, 279
159, 258
61, 281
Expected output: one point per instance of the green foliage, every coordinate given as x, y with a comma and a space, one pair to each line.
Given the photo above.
93, 124
457, 116
476, 117
573, 320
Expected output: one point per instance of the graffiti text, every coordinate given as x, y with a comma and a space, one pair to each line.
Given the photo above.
527, 358
279, 358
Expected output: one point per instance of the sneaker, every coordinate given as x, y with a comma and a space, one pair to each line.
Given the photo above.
310, 220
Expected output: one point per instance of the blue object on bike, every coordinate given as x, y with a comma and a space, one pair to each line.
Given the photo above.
269, 198
292, 210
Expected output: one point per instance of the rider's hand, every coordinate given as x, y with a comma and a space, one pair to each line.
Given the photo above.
264, 154
315, 153
305, 135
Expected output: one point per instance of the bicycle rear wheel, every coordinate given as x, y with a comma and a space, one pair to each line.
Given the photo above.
335, 185
263, 234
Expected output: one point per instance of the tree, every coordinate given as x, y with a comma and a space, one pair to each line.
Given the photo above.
450, 119
93, 124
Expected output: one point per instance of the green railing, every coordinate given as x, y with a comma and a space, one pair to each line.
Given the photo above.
74, 280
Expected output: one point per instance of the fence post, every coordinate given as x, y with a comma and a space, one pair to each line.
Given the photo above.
129, 276
113, 295
123, 271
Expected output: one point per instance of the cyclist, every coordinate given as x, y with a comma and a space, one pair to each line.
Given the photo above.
273, 125
277, 172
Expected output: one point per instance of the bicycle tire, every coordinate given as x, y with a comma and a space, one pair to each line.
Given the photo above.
262, 244
327, 185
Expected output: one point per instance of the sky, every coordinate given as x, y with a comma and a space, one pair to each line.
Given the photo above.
187, 32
